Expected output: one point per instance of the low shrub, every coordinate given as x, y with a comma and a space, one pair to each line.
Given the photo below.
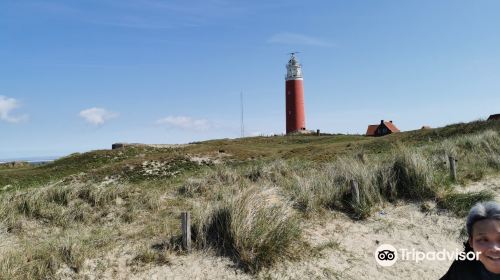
461, 203
413, 175
348, 174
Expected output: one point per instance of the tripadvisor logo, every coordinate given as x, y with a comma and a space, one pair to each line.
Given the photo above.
387, 255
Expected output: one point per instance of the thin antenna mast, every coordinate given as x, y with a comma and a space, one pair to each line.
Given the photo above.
242, 123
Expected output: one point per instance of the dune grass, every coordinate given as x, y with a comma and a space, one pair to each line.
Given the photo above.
250, 207
461, 203
257, 228
413, 175
43, 259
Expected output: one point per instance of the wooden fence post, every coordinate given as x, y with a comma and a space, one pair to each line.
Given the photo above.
453, 168
186, 231
355, 191
362, 157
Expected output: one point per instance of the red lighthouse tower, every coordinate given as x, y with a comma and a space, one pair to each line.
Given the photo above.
295, 115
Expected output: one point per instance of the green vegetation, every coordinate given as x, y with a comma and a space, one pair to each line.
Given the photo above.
461, 203
413, 175
249, 197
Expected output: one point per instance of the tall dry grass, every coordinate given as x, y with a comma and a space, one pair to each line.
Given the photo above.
62, 225
461, 203
44, 259
413, 175
65, 205
257, 228
477, 154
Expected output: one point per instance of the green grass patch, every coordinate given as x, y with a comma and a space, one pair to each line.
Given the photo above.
461, 203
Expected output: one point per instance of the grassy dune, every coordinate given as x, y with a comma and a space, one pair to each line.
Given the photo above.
249, 197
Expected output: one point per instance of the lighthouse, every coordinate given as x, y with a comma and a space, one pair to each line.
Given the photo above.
294, 91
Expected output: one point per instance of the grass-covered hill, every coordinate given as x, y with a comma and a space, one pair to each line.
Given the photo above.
57, 219
243, 151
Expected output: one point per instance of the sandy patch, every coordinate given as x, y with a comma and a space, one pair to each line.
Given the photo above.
198, 265
350, 257
353, 255
117, 265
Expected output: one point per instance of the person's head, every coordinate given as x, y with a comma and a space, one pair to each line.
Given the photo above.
483, 227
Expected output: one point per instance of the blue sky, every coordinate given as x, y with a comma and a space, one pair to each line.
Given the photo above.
81, 75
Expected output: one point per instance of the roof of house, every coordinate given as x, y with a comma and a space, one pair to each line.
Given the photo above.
391, 126
371, 129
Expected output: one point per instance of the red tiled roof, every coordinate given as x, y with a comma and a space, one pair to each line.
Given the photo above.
371, 130
391, 126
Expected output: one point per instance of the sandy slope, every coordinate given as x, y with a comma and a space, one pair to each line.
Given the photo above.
350, 254
403, 227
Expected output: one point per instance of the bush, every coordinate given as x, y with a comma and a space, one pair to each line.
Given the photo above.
329, 187
387, 182
461, 203
305, 193
72, 253
257, 228
413, 175
148, 255
346, 172
35, 263
41, 261
223, 175
193, 187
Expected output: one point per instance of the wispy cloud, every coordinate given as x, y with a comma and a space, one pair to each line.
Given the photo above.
7, 105
298, 39
185, 123
97, 116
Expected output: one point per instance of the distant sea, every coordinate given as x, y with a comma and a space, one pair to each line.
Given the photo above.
35, 160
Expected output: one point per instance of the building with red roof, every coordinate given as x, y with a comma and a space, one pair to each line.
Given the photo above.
381, 129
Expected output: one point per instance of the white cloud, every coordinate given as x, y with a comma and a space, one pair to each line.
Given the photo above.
7, 105
297, 39
185, 122
97, 116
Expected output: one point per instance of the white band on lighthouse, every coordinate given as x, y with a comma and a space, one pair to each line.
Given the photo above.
293, 69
